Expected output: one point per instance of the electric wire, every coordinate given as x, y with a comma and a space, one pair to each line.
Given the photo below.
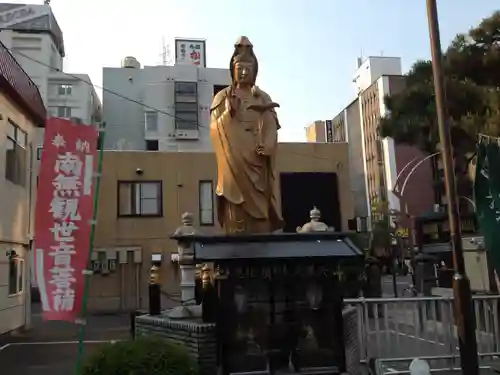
126, 98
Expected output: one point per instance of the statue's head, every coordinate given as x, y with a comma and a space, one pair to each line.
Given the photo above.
243, 65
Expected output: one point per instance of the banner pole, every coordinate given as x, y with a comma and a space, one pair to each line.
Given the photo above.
88, 274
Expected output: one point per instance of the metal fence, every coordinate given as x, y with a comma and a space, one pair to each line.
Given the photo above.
393, 329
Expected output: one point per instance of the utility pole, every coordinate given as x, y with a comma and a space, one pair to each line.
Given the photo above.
464, 316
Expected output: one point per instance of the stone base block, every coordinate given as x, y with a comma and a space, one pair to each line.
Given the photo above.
198, 337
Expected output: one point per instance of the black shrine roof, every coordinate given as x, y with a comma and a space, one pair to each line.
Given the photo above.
274, 246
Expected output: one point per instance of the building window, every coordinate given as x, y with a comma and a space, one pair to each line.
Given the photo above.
64, 89
16, 276
140, 199
218, 88
16, 154
151, 120
64, 112
206, 204
152, 145
39, 152
189, 89
186, 105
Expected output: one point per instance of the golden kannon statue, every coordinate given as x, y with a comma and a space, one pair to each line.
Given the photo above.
244, 131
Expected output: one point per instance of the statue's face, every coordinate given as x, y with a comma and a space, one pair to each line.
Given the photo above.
244, 72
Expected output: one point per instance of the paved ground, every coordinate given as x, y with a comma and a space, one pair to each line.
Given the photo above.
402, 282
51, 348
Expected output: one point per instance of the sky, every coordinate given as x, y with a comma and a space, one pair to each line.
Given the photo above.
307, 49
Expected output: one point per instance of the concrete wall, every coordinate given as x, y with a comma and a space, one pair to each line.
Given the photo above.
356, 164
154, 86
199, 338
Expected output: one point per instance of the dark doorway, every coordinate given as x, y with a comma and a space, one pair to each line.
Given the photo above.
300, 192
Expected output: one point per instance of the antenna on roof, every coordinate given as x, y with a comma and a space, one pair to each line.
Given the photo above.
46, 2
165, 53
168, 55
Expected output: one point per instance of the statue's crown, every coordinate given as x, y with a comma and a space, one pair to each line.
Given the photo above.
244, 57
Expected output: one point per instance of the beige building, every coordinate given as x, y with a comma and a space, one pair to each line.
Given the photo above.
316, 132
21, 112
143, 195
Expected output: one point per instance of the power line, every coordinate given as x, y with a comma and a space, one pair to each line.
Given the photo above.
126, 98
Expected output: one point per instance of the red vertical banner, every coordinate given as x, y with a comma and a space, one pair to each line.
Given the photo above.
64, 213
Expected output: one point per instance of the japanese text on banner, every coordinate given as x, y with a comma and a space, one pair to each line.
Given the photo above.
65, 212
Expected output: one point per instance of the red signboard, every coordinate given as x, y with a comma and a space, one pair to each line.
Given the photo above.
64, 212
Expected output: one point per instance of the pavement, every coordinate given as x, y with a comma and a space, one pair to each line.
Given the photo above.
402, 282
51, 348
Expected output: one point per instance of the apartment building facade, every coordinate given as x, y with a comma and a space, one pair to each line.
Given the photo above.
384, 159
162, 108
22, 112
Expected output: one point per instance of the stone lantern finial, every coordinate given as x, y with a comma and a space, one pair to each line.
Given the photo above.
315, 214
187, 228
187, 219
314, 225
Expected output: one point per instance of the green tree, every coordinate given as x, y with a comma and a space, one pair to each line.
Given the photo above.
472, 83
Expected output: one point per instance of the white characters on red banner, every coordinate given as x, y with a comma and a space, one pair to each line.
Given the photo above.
64, 208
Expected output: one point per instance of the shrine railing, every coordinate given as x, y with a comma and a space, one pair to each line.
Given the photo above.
398, 328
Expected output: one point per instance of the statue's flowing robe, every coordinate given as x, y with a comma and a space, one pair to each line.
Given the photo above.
246, 181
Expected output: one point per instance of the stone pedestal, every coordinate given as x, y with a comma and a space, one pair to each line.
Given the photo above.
198, 337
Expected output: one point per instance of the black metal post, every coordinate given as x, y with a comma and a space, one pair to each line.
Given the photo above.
209, 296
154, 292
393, 266
464, 316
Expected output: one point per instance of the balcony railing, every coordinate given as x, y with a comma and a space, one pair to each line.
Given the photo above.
20, 86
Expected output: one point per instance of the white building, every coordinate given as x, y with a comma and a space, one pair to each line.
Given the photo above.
70, 96
162, 108
374, 67
33, 36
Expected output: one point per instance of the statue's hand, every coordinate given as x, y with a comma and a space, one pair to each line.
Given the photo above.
233, 103
261, 150
263, 107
